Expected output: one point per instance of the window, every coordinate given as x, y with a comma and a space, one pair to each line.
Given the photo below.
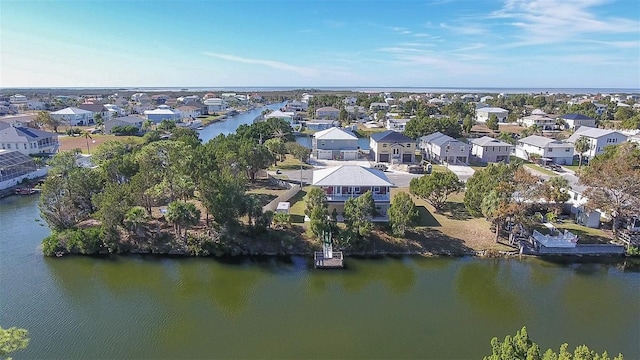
461, 148
356, 190
25, 146
376, 189
8, 146
384, 145
550, 149
567, 150
409, 145
396, 151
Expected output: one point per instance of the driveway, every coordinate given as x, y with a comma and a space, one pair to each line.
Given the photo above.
462, 171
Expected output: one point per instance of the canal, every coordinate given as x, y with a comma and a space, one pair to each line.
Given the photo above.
150, 308
230, 124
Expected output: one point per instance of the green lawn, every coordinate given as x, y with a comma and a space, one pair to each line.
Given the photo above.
540, 169
574, 167
297, 206
290, 163
586, 235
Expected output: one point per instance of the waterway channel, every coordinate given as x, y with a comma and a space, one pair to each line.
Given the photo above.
146, 307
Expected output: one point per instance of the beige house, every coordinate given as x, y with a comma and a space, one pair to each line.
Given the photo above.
392, 147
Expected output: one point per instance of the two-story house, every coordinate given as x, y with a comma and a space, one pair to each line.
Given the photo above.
214, 105
549, 150
335, 143
483, 114
575, 121
327, 112
73, 116
163, 112
396, 124
392, 147
538, 118
341, 183
443, 148
277, 114
598, 139
488, 150
27, 140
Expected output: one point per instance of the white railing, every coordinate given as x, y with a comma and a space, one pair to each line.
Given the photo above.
345, 197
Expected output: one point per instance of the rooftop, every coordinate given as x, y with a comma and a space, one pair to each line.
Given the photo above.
350, 175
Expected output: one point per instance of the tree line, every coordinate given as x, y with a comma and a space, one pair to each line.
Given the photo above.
187, 178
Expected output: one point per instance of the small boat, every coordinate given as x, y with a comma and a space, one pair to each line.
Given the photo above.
26, 191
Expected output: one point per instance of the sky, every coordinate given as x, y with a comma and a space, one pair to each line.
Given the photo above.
352, 43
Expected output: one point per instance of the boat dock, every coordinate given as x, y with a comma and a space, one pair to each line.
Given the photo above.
334, 262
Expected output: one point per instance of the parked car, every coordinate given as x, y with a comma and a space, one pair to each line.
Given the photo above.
381, 167
416, 169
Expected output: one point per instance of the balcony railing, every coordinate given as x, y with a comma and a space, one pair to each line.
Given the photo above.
345, 197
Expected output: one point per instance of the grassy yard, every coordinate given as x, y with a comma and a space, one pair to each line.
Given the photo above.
540, 169
290, 163
68, 143
574, 167
264, 191
208, 119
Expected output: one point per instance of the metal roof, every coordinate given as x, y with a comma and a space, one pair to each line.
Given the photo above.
350, 175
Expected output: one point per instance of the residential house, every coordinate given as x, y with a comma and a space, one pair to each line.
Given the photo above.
327, 112
549, 150
18, 99
277, 114
306, 98
27, 140
163, 112
123, 121
485, 99
73, 116
598, 139
377, 106
215, 105
575, 121
443, 148
350, 100
396, 124
188, 98
392, 147
189, 112
576, 206
356, 112
15, 167
483, 114
488, 150
538, 118
96, 109
344, 182
296, 106
317, 125
600, 108
335, 143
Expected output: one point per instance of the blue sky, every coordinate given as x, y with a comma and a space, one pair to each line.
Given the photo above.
450, 43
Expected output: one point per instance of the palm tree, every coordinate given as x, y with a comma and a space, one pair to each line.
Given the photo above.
581, 145
135, 217
182, 215
87, 136
45, 118
146, 125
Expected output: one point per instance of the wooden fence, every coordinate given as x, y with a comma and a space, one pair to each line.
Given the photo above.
292, 190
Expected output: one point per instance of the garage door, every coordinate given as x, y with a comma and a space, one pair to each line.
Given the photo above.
384, 158
349, 155
406, 158
325, 154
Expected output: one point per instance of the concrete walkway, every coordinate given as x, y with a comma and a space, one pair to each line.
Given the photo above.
463, 172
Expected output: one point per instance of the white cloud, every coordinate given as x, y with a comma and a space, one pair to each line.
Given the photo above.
465, 30
304, 71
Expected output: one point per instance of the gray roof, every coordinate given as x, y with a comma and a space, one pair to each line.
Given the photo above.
538, 141
590, 132
11, 133
350, 175
391, 136
127, 119
489, 141
430, 137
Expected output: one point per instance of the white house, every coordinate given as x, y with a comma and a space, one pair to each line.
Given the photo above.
549, 150
296, 106
598, 139
163, 112
189, 112
484, 99
277, 114
483, 114
18, 99
344, 182
215, 104
349, 100
73, 116
538, 118
335, 143
377, 106
576, 205
27, 140
487, 150
396, 124
443, 148
327, 112
575, 121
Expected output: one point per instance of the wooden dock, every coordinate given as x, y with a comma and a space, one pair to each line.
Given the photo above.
335, 262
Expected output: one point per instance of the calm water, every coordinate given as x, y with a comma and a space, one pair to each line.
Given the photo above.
231, 124
131, 307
